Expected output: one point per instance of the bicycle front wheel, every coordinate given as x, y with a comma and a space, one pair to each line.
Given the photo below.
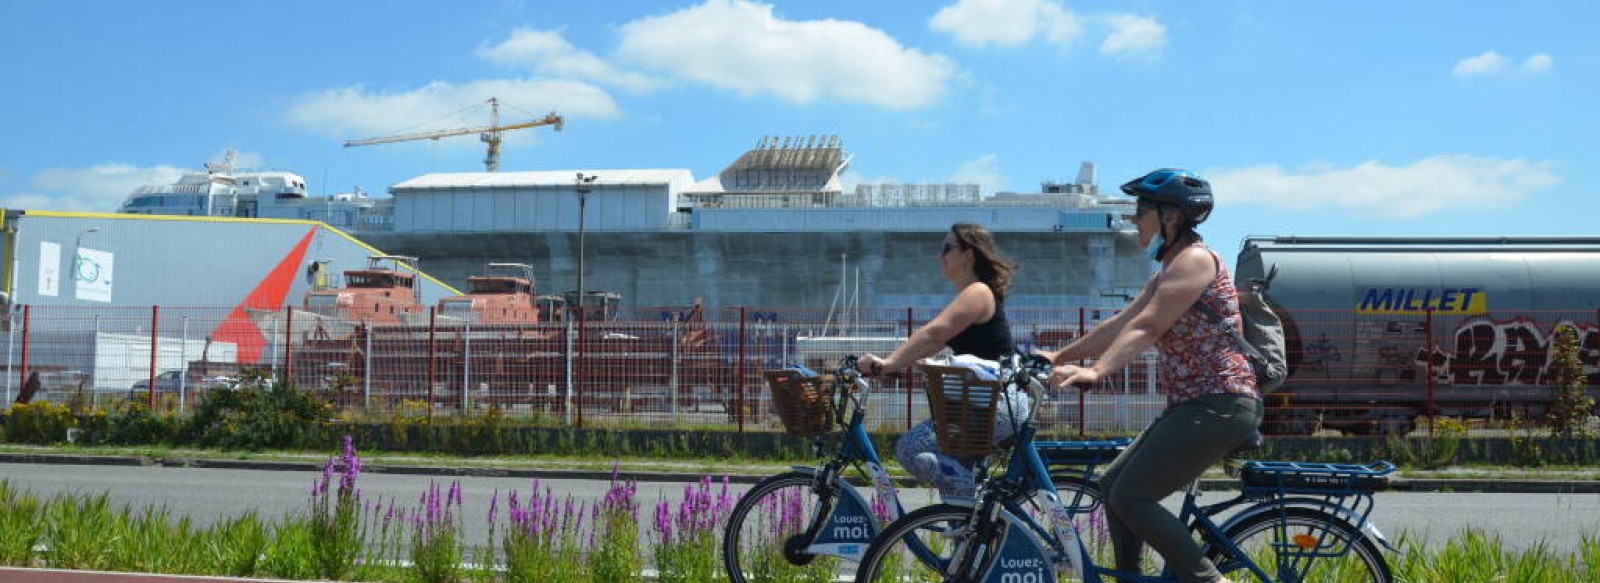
918, 547
1302, 545
771, 527
1084, 505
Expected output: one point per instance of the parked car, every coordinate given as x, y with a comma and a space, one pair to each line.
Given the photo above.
170, 381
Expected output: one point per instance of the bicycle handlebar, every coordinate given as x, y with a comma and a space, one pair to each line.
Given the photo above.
847, 373
1028, 372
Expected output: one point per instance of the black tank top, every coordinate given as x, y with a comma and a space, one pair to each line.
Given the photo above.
989, 340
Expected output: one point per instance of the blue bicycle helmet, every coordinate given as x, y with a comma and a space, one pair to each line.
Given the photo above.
1173, 186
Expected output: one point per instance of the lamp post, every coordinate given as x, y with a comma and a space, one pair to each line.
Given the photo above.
582, 185
79, 241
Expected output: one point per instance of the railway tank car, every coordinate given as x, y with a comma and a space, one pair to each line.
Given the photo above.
1383, 331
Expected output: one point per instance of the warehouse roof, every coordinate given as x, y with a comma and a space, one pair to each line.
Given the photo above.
619, 177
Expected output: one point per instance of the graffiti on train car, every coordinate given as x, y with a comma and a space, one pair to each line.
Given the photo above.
1518, 351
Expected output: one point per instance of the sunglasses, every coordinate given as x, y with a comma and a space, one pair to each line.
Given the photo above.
948, 247
1139, 210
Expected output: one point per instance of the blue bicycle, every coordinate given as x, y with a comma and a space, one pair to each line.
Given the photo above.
810, 523
1290, 523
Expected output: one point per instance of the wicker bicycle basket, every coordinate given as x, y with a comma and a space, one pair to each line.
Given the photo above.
804, 403
964, 409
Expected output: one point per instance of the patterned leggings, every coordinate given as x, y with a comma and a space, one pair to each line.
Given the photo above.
918, 452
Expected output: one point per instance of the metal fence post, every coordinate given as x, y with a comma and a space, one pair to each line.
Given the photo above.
27, 342
738, 368
567, 344
433, 326
580, 349
366, 369
155, 347
911, 324
183, 362
1083, 396
282, 355
11, 345
1427, 328
288, 344
466, 363
672, 371
94, 378
11, 335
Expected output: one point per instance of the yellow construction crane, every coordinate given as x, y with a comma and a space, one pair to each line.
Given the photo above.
490, 134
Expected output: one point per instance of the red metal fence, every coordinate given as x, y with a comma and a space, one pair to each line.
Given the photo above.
676, 367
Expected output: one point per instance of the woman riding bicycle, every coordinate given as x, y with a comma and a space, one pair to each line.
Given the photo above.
1212, 404
973, 323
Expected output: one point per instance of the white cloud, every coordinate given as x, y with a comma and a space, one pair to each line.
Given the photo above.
1133, 36
1488, 63
1540, 63
99, 188
352, 112
984, 171
1375, 190
547, 53
1007, 23
741, 46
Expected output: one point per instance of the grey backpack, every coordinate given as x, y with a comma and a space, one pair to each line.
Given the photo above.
1262, 339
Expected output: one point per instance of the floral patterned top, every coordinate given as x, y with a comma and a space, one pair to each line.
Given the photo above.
1196, 357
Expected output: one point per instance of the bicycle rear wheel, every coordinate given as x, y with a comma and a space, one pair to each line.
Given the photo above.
766, 535
1302, 545
918, 547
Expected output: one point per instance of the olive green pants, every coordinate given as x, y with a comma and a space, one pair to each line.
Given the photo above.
1175, 449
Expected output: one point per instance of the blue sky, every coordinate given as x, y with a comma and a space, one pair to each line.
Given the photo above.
1311, 118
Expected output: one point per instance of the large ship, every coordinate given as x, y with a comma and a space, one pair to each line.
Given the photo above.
777, 228
222, 190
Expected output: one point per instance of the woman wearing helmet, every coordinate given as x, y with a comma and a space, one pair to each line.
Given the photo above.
1212, 404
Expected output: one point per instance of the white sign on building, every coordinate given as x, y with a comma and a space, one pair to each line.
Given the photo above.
92, 272
49, 268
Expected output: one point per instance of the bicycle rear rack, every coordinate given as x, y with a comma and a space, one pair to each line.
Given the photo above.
1315, 478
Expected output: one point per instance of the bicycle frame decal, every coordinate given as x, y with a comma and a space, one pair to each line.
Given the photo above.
849, 529
1022, 558
886, 490
1072, 550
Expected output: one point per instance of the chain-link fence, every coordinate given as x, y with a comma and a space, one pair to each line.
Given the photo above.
681, 368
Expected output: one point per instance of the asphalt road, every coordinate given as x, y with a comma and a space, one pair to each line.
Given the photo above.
209, 494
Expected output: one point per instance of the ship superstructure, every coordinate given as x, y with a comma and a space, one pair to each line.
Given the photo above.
222, 190
779, 226
776, 227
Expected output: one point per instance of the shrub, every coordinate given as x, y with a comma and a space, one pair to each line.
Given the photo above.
1571, 405
38, 423
132, 423
259, 413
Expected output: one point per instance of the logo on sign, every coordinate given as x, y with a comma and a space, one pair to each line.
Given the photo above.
1418, 300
